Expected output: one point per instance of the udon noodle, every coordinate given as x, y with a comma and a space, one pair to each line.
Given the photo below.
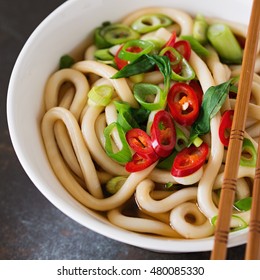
73, 134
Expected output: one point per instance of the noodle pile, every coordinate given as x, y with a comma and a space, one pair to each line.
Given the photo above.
72, 131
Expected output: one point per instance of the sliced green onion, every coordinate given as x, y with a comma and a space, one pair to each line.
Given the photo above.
126, 120
225, 43
115, 184
200, 28
122, 105
196, 45
242, 223
122, 156
157, 42
145, 94
172, 53
99, 40
244, 204
181, 139
129, 117
103, 54
168, 185
116, 34
145, 47
187, 73
66, 61
197, 141
101, 95
148, 23
248, 156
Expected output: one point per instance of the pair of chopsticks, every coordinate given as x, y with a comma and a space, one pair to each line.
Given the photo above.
219, 251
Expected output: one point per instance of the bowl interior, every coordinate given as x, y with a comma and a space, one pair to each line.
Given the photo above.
66, 28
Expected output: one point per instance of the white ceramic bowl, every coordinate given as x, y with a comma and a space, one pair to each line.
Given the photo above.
59, 33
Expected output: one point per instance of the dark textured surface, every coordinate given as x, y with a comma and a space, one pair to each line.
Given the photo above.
30, 226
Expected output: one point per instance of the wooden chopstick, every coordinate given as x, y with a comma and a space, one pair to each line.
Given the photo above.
227, 196
253, 243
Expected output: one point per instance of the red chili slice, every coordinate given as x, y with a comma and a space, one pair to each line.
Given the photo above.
163, 134
198, 90
139, 141
189, 160
225, 126
184, 48
139, 162
121, 63
171, 41
183, 103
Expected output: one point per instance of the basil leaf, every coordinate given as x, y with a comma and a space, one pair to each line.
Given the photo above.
244, 204
213, 100
164, 65
146, 63
140, 65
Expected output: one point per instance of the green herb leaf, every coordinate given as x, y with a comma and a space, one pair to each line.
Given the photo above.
66, 61
146, 63
244, 204
166, 163
213, 100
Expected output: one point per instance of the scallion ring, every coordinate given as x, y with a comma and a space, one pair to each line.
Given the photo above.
134, 49
248, 156
116, 34
187, 73
115, 184
148, 23
100, 95
122, 156
147, 94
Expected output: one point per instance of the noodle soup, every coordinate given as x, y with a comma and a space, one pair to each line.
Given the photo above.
137, 128
70, 30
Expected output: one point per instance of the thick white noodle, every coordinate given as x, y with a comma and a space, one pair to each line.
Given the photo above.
187, 229
83, 156
96, 150
140, 224
54, 84
206, 183
74, 101
146, 202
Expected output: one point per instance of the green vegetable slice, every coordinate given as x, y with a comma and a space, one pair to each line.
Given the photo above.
244, 204
148, 23
145, 94
213, 100
249, 155
115, 184
122, 156
100, 95
146, 63
196, 46
225, 43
